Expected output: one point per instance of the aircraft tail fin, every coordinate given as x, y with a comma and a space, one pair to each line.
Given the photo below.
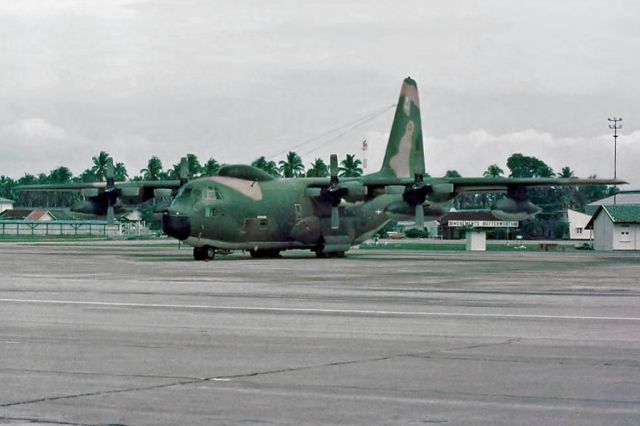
405, 153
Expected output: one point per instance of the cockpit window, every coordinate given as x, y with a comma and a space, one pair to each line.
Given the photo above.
212, 193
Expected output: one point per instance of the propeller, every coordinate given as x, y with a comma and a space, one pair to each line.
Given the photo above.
183, 171
110, 190
334, 191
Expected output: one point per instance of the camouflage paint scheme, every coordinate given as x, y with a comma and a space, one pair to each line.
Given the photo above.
245, 208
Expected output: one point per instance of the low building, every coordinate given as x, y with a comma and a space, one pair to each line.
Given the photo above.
629, 197
6, 204
578, 225
616, 227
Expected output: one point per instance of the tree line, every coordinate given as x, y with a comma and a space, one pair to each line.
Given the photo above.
519, 165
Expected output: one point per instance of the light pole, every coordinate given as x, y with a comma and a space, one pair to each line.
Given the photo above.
615, 127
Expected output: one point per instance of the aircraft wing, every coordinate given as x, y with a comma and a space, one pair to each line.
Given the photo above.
482, 184
61, 187
79, 186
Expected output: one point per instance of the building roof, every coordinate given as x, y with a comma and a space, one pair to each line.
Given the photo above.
619, 213
6, 201
37, 214
622, 197
15, 214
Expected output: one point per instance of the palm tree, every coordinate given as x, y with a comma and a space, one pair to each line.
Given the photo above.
120, 173
153, 170
493, 171
292, 166
566, 173
61, 174
267, 166
100, 165
211, 167
318, 169
350, 166
87, 176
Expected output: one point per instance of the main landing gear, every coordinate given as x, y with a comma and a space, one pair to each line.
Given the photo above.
320, 253
204, 253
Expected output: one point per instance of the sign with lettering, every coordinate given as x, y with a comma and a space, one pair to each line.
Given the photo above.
483, 223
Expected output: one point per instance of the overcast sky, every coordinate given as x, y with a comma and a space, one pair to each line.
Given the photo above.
237, 79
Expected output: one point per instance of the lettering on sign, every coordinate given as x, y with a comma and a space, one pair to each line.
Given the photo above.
483, 223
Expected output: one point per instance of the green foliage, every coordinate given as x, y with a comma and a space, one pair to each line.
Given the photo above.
211, 167
390, 226
415, 233
6, 187
350, 166
100, 165
193, 165
524, 166
318, 169
493, 171
267, 166
153, 170
452, 173
566, 173
292, 166
561, 230
120, 173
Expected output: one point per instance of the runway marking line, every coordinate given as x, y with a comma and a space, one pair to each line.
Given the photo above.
316, 310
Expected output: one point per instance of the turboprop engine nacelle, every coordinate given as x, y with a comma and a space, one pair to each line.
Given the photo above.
511, 209
403, 211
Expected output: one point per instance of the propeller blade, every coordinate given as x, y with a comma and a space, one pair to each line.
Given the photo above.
110, 215
184, 170
109, 172
333, 167
335, 218
419, 216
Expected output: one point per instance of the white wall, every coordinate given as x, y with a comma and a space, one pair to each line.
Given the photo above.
577, 222
625, 237
609, 236
5, 206
603, 232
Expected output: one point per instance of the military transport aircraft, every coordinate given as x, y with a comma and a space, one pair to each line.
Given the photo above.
111, 197
246, 208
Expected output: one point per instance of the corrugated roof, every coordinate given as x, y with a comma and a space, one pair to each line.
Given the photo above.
619, 213
623, 197
15, 214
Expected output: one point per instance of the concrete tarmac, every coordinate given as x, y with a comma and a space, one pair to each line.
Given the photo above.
138, 333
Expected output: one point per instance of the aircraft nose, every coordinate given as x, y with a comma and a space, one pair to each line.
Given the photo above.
175, 225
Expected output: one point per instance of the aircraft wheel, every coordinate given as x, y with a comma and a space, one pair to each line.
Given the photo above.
198, 253
209, 252
327, 255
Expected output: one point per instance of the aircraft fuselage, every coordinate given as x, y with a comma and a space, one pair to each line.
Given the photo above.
230, 213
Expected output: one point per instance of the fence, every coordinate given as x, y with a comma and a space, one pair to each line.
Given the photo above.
58, 227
